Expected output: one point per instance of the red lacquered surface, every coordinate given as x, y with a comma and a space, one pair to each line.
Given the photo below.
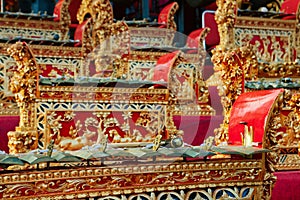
164, 65
164, 14
254, 109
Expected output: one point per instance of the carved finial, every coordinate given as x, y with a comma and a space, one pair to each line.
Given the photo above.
23, 84
50, 148
156, 142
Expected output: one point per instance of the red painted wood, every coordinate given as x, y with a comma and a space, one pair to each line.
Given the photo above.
253, 108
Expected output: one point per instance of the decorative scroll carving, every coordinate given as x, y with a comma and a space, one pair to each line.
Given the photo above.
233, 67
270, 143
87, 40
275, 42
65, 19
291, 136
23, 84
59, 100
111, 49
96, 9
297, 38
84, 10
170, 22
225, 18
120, 126
240, 179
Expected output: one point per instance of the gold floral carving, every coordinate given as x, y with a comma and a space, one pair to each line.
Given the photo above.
65, 19
228, 63
108, 37
97, 9
171, 24
233, 67
86, 41
84, 10
279, 70
111, 40
291, 136
297, 39
225, 17
23, 85
161, 178
101, 125
111, 49
59, 109
186, 80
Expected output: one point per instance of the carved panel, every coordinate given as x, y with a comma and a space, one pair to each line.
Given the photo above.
179, 180
48, 67
269, 45
74, 125
153, 37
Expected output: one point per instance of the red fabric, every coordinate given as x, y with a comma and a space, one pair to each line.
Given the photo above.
163, 66
212, 39
8, 123
73, 9
197, 128
287, 186
253, 108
